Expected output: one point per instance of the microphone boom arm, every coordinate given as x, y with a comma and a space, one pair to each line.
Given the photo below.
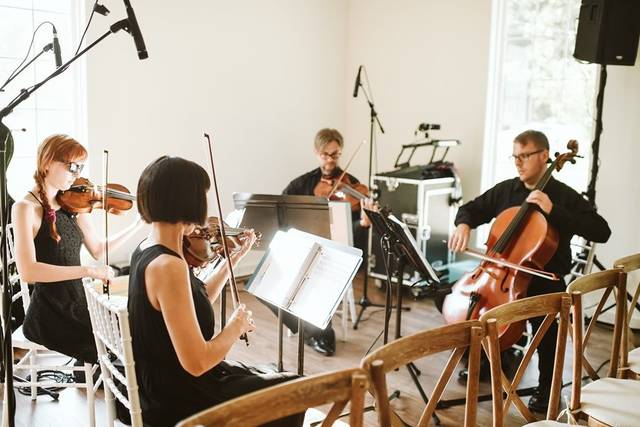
26, 93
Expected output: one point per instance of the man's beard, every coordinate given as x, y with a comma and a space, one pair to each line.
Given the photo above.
330, 172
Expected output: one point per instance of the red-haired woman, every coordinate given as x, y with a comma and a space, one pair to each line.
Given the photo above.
47, 242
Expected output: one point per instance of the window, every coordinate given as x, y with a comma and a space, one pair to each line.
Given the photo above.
535, 83
59, 105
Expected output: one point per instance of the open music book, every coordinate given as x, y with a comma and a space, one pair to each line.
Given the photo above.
305, 275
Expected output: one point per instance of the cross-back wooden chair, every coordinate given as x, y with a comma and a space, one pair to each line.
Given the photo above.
458, 337
551, 306
606, 401
110, 324
630, 264
613, 280
38, 357
279, 401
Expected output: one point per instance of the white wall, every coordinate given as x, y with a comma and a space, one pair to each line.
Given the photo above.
618, 187
262, 77
427, 62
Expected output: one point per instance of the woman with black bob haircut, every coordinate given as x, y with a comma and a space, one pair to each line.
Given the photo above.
179, 361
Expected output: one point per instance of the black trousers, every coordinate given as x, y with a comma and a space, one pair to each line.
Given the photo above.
547, 348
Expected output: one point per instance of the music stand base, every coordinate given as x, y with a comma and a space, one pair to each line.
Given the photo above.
444, 404
364, 303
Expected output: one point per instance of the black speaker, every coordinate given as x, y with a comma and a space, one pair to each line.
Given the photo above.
608, 31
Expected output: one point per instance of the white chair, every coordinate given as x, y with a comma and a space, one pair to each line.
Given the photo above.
110, 322
32, 361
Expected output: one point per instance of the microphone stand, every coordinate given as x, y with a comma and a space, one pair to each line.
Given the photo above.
47, 48
364, 301
7, 359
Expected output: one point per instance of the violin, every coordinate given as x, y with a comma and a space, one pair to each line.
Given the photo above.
521, 242
342, 189
83, 196
204, 244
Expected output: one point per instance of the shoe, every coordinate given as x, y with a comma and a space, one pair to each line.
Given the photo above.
321, 345
539, 401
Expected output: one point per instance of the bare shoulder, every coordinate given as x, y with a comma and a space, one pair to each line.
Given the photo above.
166, 270
27, 209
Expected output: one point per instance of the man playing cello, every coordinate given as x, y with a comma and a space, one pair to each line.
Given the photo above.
566, 210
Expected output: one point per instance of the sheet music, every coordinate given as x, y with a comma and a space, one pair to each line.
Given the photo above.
305, 275
323, 288
283, 268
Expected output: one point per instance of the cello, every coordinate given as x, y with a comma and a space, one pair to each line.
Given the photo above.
521, 242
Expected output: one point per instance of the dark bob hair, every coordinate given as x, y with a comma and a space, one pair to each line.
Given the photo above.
172, 189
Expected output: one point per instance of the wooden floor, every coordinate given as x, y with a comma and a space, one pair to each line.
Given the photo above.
71, 410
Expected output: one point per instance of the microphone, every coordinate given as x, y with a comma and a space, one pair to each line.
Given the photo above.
134, 29
355, 89
56, 48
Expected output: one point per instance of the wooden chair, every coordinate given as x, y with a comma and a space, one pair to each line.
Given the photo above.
550, 306
630, 264
37, 355
290, 398
457, 337
608, 401
110, 323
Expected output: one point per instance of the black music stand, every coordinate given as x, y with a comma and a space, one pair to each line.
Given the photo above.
399, 245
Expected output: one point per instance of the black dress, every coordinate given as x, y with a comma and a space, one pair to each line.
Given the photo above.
58, 317
168, 393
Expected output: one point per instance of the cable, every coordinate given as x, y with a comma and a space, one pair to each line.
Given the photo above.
33, 36
586, 377
93, 11
50, 375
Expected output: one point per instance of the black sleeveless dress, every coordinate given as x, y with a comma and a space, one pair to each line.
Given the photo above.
58, 317
168, 393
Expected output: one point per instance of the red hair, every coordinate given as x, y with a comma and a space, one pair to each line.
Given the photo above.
60, 148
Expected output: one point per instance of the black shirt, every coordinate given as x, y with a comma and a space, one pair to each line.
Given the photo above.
571, 215
305, 184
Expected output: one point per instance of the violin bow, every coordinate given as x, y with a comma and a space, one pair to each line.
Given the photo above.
235, 296
344, 171
105, 163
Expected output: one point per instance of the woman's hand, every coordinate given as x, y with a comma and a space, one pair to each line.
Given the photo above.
102, 272
243, 320
248, 239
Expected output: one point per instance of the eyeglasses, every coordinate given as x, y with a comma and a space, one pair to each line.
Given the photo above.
523, 157
74, 167
336, 155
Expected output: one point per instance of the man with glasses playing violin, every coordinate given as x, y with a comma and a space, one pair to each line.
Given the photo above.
563, 207
328, 147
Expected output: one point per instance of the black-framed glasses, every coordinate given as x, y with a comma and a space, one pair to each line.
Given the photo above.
74, 167
335, 156
523, 157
